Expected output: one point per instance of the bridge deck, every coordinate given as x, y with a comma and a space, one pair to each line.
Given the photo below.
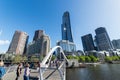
34, 74
54, 74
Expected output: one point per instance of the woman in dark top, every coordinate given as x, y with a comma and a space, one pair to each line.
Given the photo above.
18, 72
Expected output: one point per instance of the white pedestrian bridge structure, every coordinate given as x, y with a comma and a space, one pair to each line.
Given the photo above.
48, 70
60, 65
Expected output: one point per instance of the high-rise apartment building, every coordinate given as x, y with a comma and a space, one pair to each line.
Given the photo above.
102, 39
38, 34
40, 44
87, 41
66, 27
18, 43
116, 44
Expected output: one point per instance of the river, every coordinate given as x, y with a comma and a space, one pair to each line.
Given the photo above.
99, 72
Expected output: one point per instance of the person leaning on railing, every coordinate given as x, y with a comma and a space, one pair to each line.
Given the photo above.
2, 70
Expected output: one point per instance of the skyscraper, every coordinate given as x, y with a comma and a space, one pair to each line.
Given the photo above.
102, 39
40, 44
18, 43
87, 41
38, 34
116, 43
66, 27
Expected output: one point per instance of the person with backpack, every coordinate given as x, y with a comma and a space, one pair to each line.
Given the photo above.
2, 70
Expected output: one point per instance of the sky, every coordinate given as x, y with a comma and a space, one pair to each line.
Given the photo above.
31, 15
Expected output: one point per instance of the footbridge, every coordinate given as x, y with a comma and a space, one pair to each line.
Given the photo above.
54, 69
48, 69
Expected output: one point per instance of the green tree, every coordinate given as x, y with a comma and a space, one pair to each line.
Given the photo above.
108, 59
81, 59
53, 57
17, 59
115, 58
34, 59
7, 57
87, 59
119, 57
24, 59
70, 57
76, 57
41, 58
93, 58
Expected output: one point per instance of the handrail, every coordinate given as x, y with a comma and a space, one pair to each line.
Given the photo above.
50, 74
55, 70
61, 65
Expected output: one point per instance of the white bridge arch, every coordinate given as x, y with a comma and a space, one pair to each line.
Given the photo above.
49, 55
47, 60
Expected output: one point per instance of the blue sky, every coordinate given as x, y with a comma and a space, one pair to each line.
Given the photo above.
31, 15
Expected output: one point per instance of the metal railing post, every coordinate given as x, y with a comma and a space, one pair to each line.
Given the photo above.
40, 72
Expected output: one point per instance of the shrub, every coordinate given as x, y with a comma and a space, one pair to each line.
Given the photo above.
87, 59
108, 59
81, 59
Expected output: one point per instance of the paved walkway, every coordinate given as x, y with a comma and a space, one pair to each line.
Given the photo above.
11, 75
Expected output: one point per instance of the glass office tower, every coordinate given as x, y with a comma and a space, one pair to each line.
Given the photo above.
66, 27
102, 39
87, 41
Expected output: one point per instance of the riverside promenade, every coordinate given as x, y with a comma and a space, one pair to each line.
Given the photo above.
49, 74
49, 70
11, 73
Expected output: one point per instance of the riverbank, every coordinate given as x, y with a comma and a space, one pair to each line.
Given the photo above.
114, 62
75, 64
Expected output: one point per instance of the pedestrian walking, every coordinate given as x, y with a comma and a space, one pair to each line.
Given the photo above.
2, 70
21, 66
27, 72
56, 62
18, 72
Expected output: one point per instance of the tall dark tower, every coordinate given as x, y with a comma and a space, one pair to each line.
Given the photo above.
102, 39
87, 41
66, 27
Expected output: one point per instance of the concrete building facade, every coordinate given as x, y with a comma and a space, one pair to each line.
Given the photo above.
18, 43
40, 44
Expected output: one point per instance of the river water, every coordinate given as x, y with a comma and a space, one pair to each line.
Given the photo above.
99, 72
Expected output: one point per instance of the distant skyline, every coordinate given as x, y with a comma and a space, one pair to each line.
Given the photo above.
31, 15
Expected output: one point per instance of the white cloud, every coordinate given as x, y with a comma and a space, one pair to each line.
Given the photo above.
4, 42
0, 32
